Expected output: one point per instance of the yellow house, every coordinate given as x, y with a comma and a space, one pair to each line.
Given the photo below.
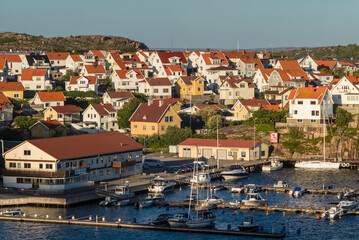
243, 108
153, 118
12, 89
190, 86
48, 128
176, 103
63, 114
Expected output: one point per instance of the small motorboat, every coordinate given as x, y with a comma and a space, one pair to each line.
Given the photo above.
161, 185
254, 199
347, 194
333, 213
12, 213
281, 184
123, 192
218, 188
123, 202
251, 188
214, 200
201, 179
205, 219
248, 225
179, 220
108, 202
235, 204
162, 219
154, 197
297, 191
144, 204
274, 165
234, 172
238, 189
348, 204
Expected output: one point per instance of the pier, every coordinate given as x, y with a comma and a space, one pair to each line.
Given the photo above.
103, 223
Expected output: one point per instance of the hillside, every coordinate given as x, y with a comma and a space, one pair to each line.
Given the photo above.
76, 44
349, 52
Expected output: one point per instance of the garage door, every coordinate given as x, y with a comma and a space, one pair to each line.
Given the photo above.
186, 152
207, 153
222, 154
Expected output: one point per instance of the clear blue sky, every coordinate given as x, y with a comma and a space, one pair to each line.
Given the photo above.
191, 23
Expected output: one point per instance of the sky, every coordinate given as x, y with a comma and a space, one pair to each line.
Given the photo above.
216, 24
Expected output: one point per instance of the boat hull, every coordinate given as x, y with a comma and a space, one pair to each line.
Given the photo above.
207, 223
253, 203
249, 228
272, 168
317, 165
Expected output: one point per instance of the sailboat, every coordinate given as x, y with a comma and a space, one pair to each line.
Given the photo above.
203, 218
317, 164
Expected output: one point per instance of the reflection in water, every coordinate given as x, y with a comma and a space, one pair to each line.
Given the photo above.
309, 227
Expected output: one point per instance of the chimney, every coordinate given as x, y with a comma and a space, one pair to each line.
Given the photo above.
150, 101
168, 51
310, 86
160, 103
243, 52
48, 119
101, 102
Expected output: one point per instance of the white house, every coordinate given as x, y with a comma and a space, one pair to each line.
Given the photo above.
156, 88
82, 83
234, 88
3, 68
74, 63
117, 99
310, 105
94, 70
172, 72
158, 59
101, 117
35, 79
47, 99
6, 109
213, 76
345, 92
63, 163
261, 77
126, 80
14, 64
57, 59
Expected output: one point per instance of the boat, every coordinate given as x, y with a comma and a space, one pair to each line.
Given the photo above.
162, 219
189, 198
251, 188
124, 202
201, 178
154, 197
123, 192
236, 203
161, 185
213, 200
333, 213
238, 189
348, 205
144, 204
12, 213
347, 194
274, 165
179, 220
205, 219
108, 202
281, 184
297, 191
248, 225
254, 199
234, 172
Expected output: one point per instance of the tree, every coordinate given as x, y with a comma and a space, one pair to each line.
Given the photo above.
175, 135
24, 122
206, 114
128, 49
141, 96
343, 117
212, 122
124, 114
68, 75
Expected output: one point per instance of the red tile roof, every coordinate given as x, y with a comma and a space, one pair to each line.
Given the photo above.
76, 58
272, 107
165, 56
122, 73
149, 113
98, 53
253, 103
214, 107
168, 101
57, 55
27, 74
174, 68
52, 124
308, 93
2, 63
214, 55
158, 81
239, 54
67, 109
103, 109
4, 101
189, 79
51, 96
11, 57
86, 145
124, 94
222, 68
95, 69
326, 63
222, 143
11, 86
91, 79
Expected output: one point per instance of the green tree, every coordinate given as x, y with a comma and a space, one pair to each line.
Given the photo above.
175, 135
124, 114
206, 114
212, 122
68, 75
343, 117
141, 96
24, 122
128, 49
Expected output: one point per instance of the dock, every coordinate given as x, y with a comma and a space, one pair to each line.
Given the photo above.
103, 223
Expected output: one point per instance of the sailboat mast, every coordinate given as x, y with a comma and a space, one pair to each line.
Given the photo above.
197, 182
324, 132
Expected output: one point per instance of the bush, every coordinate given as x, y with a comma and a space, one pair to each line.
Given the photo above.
24, 122
265, 127
80, 94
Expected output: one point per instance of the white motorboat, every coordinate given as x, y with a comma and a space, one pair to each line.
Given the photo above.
274, 165
248, 225
238, 189
123, 192
214, 200
201, 178
297, 192
154, 197
235, 172
162, 219
254, 199
179, 220
317, 165
144, 204
348, 205
333, 213
204, 219
281, 184
251, 188
236, 203
108, 202
124, 202
12, 213
160, 185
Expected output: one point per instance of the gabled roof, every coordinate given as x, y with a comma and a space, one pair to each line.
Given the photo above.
76, 58
91, 79
222, 68
214, 55
57, 55
327, 63
165, 56
168, 101
4, 101
147, 112
308, 93
51, 124
254, 102
98, 53
51, 96
240, 54
2, 63
85, 145
188, 79
11, 57
158, 81
27, 74
214, 107
222, 143
11, 86
291, 65
122, 74
67, 109
95, 69
32, 58
124, 94
103, 109
174, 68
272, 107
234, 80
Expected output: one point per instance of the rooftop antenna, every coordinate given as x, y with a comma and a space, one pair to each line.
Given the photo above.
237, 45
171, 41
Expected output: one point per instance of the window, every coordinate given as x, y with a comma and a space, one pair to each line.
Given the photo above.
27, 152
263, 153
18, 165
41, 165
134, 126
199, 89
300, 102
12, 165
313, 120
300, 120
163, 128
144, 127
46, 132
16, 95
165, 90
295, 111
153, 128
312, 102
27, 165
155, 90
48, 166
200, 82
35, 131
242, 85
243, 154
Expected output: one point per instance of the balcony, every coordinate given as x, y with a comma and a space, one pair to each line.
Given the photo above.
21, 173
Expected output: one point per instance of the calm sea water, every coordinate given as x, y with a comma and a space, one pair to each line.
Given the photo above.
308, 225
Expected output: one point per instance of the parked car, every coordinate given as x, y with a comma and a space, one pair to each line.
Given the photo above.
203, 164
153, 162
172, 170
185, 168
181, 170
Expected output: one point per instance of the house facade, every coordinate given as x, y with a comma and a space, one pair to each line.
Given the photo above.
234, 88
345, 92
156, 88
64, 114
48, 128
47, 99
190, 86
6, 110
101, 117
12, 89
126, 80
117, 99
35, 79
243, 109
82, 83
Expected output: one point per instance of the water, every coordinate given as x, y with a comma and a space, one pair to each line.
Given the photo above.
309, 226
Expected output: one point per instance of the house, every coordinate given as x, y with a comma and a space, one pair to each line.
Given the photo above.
95, 70
3, 69
14, 64
345, 92
152, 118
48, 128
36, 60
347, 66
82, 83
57, 59
64, 114
278, 95
117, 99
243, 109
176, 103
35, 79
70, 162
47, 99
233, 57
100, 56
324, 79
172, 72
195, 108
75, 63
234, 88
294, 78
190, 86
236, 150
126, 80
6, 109
308, 64
101, 117
215, 74
159, 59
156, 88
310, 105
261, 77
12, 89
328, 64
